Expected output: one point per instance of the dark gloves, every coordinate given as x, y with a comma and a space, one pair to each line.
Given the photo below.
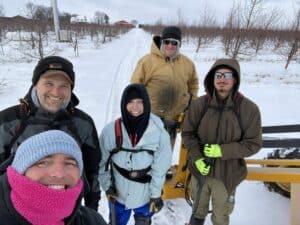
111, 194
156, 205
91, 200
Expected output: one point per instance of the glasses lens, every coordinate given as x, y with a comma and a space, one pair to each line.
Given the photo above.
173, 42
219, 75
227, 75
166, 42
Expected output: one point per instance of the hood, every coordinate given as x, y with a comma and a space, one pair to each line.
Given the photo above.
155, 46
136, 125
155, 49
229, 63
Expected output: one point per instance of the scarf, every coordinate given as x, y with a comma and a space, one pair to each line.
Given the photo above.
39, 204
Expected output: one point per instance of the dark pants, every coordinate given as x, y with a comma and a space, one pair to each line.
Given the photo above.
214, 190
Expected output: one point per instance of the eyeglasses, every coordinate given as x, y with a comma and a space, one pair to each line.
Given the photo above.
227, 75
170, 40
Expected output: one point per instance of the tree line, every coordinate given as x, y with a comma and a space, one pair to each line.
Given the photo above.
248, 29
34, 33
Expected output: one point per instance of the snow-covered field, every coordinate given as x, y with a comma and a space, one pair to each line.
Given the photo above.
102, 73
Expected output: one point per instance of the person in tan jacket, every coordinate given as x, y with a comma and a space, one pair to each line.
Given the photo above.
220, 129
170, 79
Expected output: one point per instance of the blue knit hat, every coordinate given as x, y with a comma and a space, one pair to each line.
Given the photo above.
44, 144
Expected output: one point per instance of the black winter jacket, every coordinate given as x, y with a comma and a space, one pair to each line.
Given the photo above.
71, 120
9, 216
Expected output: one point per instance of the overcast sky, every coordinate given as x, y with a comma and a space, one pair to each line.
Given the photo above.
147, 11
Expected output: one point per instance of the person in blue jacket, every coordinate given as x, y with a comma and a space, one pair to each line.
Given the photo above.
132, 171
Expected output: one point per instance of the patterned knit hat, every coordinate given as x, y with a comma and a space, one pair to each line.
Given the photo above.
44, 144
52, 64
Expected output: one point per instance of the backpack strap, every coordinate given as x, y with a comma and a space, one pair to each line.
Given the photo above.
119, 142
136, 175
140, 176
24, 113
118, 133
207, 100
237, 110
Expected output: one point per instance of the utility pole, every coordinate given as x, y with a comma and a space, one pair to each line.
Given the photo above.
56, 20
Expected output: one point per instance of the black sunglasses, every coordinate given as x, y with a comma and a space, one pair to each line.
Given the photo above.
170, 41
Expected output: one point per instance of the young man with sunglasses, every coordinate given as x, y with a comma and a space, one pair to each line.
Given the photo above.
219, 132
170, 79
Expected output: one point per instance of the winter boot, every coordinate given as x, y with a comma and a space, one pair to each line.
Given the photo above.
142, 220
196, 221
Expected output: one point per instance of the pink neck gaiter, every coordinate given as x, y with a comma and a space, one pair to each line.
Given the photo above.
39, 204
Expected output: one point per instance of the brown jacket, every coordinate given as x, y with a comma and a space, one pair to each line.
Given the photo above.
170, 83
220, 125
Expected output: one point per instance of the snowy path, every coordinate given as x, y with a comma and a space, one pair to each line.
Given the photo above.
114, 63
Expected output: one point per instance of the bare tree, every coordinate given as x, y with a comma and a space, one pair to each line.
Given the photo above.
75, 44
265, 22
100, 18
3, 84
206, 20
3, 39
240, 20
30, 9
180, 16
294, 44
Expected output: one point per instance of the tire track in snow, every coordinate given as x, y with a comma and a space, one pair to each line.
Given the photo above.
122, 76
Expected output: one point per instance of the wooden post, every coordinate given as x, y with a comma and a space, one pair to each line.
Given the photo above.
295, 204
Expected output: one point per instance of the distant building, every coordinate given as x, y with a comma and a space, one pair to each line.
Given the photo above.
16, 23
79, 19
124, 23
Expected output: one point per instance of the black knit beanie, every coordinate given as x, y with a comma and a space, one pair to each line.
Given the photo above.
53, 63
132, 94
171, 32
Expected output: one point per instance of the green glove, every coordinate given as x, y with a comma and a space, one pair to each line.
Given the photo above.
202, 167
212, 151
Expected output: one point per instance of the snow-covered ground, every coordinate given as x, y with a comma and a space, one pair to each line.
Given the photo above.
102, 73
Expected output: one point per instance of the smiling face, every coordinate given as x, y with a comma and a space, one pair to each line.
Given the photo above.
135, 107
53, 91
58, 171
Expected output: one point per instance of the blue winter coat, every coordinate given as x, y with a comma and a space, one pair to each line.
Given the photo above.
130, 193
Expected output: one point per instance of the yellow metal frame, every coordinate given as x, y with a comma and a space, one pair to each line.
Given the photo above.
279, 174
280, 171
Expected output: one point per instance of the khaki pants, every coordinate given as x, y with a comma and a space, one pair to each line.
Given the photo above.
222, 203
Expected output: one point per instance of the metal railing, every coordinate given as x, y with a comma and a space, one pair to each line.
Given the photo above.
273, 142
287, 170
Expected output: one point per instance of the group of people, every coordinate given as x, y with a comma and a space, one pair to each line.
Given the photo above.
51, 156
